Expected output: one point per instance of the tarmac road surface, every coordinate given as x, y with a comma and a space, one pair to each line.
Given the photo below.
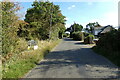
72, 59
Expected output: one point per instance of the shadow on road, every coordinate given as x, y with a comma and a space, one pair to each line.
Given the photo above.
80, 56
73, 58
77, 57
80, 43
68, 39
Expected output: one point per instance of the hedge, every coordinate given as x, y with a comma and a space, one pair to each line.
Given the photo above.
78, 36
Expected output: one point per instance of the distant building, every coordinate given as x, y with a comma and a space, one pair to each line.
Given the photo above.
84, 30
97, 30
105, 30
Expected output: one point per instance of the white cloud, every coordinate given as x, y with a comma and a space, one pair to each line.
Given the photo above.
71, 7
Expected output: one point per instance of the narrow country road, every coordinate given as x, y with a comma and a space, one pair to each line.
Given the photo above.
72, 59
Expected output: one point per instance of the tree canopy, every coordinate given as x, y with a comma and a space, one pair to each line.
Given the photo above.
43, 17
9, 26
90, 27
75, 28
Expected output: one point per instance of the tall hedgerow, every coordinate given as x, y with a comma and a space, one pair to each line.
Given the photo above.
108, 46
9, 28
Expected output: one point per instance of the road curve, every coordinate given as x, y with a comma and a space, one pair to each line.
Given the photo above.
72, 59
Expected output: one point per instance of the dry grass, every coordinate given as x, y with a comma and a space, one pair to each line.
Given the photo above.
20, 64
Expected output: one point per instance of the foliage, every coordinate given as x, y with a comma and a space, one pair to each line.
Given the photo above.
68, 29
90, 27
110, 40
90, 35
86, 34
76, 27
15, 32
108, 46
88, 38
45, 19
78, 36
20, 64
61, 30
22, 31
66, 35
9, 27
21, 45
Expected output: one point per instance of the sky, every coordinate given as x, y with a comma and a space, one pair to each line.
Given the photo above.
105, 13
83, 12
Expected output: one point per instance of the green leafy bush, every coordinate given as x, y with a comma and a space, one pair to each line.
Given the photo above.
22, 45
20, 64
88, 38
110, 41
78, 36
9, 27
66, 35
108, 46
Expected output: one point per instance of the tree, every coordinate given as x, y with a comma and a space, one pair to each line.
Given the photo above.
9, 26
68, 29
97, 24
75, 28
22, 29
45, 16
61, 30
90, 27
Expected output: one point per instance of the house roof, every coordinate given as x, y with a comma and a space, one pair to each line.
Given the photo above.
98, 28
106, 29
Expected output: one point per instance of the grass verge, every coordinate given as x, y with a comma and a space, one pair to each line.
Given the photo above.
21, 63
111, 55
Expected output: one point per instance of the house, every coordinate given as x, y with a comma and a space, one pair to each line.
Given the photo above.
97, 30
105, 30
